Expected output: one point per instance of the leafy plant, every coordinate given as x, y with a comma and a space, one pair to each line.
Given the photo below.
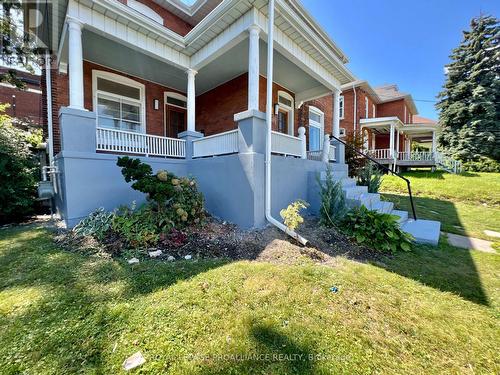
483, 164
371, 177
18, 170
139, 227
97, 224
354, 141
333, 205
176, 200
380, 232
291, 214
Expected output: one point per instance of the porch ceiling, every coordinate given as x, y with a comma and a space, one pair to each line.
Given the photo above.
234, 62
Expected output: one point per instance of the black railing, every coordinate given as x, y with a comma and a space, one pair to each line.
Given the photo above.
384, 168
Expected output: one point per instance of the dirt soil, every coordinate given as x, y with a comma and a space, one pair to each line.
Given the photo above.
219, 239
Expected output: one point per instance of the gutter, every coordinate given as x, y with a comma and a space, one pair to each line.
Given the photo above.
355, 108
48, 89
269, 113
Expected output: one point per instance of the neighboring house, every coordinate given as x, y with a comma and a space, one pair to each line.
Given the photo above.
25, 104
379, 112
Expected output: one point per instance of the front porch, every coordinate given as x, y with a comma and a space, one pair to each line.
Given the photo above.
397, 145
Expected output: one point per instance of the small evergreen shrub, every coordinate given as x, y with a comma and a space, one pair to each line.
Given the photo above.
484, 164
291, 215
333, 205
354, 141
176, 200
18, 168
97, 224
380, 232
371, 177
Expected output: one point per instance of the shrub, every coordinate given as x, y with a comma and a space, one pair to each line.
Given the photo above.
380, 232
291, 214
138, 227
354, 141
176, 200
18, 169
97, 224
484, 164
333, 206
371, 177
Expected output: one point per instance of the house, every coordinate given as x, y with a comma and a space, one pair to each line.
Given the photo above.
386, 118
26, 103
185, 88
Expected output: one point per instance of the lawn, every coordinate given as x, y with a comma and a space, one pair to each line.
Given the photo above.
431, 311
465, 204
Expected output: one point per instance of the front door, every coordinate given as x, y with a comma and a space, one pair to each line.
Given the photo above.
283, 121
175, 121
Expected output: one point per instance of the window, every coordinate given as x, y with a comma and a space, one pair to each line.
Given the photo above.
342, 132
405, 114
285, 112
366, 107
316, 129
373, 110
175, 99
341, 107
118, 101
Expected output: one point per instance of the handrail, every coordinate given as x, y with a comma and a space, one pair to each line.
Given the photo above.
384, 168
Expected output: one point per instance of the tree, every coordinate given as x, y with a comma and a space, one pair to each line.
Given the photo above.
17, 49
470, 100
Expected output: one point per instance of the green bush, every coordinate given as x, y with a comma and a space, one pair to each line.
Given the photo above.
354, 141
138, 227
176, 200
378, 231
97, 224
371, 177
484, 164
18, 169
291, 215
333, 206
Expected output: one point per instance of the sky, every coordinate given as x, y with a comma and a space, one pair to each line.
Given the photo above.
403, 42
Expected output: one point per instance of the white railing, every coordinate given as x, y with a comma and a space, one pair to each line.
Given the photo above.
449, 164
416, 156
217, 144
381, 153
285, 144
315, 155
137, 143
331, 154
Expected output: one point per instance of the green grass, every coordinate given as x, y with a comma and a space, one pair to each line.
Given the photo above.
465, 204
431, 311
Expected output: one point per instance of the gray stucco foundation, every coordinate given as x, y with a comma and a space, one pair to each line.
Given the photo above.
233, 185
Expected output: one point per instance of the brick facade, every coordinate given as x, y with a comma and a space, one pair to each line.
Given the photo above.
26, 103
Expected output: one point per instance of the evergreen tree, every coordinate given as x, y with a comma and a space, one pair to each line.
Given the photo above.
470, 100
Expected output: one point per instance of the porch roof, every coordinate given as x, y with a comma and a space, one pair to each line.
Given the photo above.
381, 125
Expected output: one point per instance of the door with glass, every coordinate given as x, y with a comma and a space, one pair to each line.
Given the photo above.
175, 121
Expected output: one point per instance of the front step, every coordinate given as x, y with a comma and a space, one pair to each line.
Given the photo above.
383, 207
424, 231
402, 215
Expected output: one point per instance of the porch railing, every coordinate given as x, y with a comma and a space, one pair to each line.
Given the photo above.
380, 153
416, 156
285, 144
217, 144
113, 140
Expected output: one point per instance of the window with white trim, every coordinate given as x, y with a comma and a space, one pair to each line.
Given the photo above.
285, 112
405, 114
119, 102
341, 107
373, 111
366, 107
175, 99
342, 132
316, 129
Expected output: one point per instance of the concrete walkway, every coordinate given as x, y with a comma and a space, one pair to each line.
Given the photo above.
470, 243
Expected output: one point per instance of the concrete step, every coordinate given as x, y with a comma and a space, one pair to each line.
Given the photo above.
424, 231
383, 207
403, 215
348, 182
365, 199
354, 192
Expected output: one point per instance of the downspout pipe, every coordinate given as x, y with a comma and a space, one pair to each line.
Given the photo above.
48, 89
269, 118
355, 108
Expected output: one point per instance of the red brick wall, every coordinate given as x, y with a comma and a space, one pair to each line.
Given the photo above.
348, 121
395, 108
24, 103
215, 109
170, 20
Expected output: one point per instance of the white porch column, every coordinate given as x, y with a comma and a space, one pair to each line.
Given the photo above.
434, 141
391, 141
253, 68
191, 100
397, 143
75, 60
336, 115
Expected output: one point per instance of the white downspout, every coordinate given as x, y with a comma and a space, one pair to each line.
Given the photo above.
48, 89
269, 112
355, 108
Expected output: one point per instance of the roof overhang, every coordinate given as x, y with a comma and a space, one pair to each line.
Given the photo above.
366, 87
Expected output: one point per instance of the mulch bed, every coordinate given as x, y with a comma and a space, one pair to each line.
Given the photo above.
218, 239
